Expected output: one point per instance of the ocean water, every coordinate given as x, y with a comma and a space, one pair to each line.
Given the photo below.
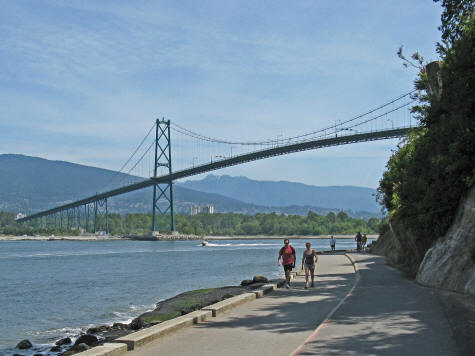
53, 289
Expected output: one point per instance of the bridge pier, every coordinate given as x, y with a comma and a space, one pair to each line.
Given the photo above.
162, 203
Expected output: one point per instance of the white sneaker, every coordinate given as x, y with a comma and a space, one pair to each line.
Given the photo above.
306, 285
287, 285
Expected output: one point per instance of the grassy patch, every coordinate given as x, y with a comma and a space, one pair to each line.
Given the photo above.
189, 303
198, 291
158, 318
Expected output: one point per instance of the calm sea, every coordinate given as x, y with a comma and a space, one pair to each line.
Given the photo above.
52, 289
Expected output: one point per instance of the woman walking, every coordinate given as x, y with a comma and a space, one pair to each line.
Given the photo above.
309, 260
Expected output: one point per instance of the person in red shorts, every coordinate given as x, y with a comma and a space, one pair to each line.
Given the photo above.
287, 253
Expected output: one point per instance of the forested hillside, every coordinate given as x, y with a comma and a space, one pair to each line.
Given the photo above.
281, 193
31, 184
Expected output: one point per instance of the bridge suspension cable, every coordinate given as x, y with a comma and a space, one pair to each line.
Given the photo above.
202, 137
129, 159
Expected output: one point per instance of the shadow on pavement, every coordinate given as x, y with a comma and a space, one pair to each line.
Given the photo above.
385, 315
292, 310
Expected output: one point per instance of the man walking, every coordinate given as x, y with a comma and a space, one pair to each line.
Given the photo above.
332, 243
358, 238
287, 253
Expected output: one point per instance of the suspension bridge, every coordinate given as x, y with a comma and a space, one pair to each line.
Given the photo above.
151, 163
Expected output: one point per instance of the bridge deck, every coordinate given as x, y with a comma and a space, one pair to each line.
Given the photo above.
248, 157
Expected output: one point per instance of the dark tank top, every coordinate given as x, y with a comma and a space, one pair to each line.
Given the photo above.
309, 258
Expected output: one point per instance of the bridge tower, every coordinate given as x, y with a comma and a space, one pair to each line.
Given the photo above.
163, 192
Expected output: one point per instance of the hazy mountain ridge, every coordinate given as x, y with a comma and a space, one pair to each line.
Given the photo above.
31, 184
283, 193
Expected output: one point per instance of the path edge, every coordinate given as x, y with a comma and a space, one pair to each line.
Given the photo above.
334, 310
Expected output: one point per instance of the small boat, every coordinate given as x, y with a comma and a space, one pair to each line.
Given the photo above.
204, 243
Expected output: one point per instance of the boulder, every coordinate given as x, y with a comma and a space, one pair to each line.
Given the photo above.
55, 348
120, 326
137, 324
64, 341
260, 279
87, 339
246, 282
75, 349
98, 329
24, 344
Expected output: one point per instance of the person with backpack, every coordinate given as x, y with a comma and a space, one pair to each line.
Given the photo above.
287, 253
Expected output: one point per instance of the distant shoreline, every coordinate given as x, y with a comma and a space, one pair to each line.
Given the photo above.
171, 237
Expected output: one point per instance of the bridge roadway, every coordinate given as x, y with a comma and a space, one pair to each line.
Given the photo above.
385, 314
239, 159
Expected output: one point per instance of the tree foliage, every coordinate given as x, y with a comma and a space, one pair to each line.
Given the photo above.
215, 224
455, 17
435, 167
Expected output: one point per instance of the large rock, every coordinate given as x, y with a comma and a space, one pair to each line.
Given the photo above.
260, 279
64, 341
247, 282
87, 339
24, 344
449, 264
76, 349
98, 329
137, 323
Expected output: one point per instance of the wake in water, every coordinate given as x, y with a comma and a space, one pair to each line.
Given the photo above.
209, 244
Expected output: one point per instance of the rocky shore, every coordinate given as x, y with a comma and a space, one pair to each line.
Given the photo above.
180, 304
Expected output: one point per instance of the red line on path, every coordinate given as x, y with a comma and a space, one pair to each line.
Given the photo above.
332, 312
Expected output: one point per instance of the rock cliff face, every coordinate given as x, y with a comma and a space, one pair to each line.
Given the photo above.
400, 246
449, 263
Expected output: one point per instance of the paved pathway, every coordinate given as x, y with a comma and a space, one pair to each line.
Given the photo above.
385, 314
274, 325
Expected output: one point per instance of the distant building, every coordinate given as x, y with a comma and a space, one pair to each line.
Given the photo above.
207, 209
20, 216
196, 209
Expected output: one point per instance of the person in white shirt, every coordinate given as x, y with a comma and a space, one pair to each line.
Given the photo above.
332, 243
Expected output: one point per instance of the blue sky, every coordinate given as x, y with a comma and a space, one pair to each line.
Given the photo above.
83, 81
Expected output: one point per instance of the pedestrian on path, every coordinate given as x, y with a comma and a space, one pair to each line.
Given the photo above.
358, 238
332, 243
309, 259
287, 253
364, 239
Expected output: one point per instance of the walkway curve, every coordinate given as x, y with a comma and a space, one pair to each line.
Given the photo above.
333, 311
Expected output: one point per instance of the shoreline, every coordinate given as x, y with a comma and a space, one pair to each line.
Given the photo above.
180, 304
173, 237
170, 308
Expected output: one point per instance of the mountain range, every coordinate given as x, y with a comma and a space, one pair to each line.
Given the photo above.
283, 193
31, 184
